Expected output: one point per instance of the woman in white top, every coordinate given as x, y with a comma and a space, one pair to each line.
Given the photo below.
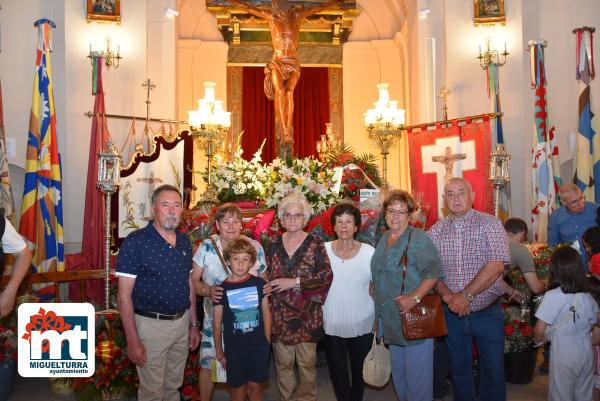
348, 312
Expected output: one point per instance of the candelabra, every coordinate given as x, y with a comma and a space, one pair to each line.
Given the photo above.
499, 174
384, 124
209, 125
109, 175
327, 141
491, 56
111, 59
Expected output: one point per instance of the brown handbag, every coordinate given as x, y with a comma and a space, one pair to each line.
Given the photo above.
426, 319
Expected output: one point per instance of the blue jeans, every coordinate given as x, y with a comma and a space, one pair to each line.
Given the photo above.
487, 329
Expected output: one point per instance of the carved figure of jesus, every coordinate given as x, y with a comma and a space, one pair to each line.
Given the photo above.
448, 160
282, 72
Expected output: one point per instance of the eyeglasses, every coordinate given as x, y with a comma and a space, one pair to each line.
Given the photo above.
396, 212
576, 201
294, 217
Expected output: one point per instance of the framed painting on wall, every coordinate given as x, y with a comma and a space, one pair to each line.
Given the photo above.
103, 10
488, 12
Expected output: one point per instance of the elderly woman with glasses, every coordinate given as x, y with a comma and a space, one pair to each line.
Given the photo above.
412, 361
209, 272
300, 277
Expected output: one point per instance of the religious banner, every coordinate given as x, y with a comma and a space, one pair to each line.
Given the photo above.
545, 164
588, 143
439, 152
169, 163
41, 209
93, 218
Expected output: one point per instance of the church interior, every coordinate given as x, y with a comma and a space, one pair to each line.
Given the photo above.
437, 58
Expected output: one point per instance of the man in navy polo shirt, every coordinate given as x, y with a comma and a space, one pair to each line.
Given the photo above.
157, 299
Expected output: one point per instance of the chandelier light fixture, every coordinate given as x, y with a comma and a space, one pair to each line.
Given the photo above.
209, 125
384, 124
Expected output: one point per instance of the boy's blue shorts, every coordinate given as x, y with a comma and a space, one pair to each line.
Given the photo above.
248, 363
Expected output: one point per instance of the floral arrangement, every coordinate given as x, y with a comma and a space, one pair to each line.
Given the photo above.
197, 225
240, 179
8, 337
307, 176
115, 374
518, 333
352, 180
541, 257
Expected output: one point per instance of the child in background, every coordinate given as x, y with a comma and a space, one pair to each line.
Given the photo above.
591, 243
245, 316
566, 317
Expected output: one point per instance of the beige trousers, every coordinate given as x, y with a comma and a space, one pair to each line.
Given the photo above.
305, 355
166, 343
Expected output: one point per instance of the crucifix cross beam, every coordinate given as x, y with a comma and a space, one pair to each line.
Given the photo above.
447, 158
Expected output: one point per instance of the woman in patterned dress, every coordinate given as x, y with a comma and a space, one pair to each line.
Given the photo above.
208, 273
301, 275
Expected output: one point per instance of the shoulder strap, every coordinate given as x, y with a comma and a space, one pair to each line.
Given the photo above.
218, 251
404, 262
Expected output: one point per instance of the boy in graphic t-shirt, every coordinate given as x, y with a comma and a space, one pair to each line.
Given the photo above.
242, 318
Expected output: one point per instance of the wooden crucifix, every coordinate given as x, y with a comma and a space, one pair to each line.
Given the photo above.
448, 160
282, 72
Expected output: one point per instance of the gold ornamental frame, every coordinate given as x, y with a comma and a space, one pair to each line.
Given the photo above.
488, 12
93, 12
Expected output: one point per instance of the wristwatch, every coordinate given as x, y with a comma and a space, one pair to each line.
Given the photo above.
417, 299
470, 297
195, 324
298, 281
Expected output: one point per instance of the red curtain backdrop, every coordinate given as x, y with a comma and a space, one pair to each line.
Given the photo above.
311, 112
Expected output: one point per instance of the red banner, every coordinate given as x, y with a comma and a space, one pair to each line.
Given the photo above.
444, 152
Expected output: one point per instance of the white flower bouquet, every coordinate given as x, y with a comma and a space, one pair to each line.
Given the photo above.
307, 176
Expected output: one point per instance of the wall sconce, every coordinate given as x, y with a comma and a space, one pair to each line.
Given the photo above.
491, 56
111, 59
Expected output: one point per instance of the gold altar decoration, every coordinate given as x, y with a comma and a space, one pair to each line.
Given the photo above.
327, 142
209, 125
384, 124
330, 26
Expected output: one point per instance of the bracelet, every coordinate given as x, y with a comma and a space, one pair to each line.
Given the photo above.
195, 324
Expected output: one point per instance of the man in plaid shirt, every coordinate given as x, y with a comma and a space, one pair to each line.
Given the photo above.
473, 249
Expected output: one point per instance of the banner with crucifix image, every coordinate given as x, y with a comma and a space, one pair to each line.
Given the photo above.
439, 152
169, 163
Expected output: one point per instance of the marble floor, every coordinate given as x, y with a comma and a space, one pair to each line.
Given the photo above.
38, 390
